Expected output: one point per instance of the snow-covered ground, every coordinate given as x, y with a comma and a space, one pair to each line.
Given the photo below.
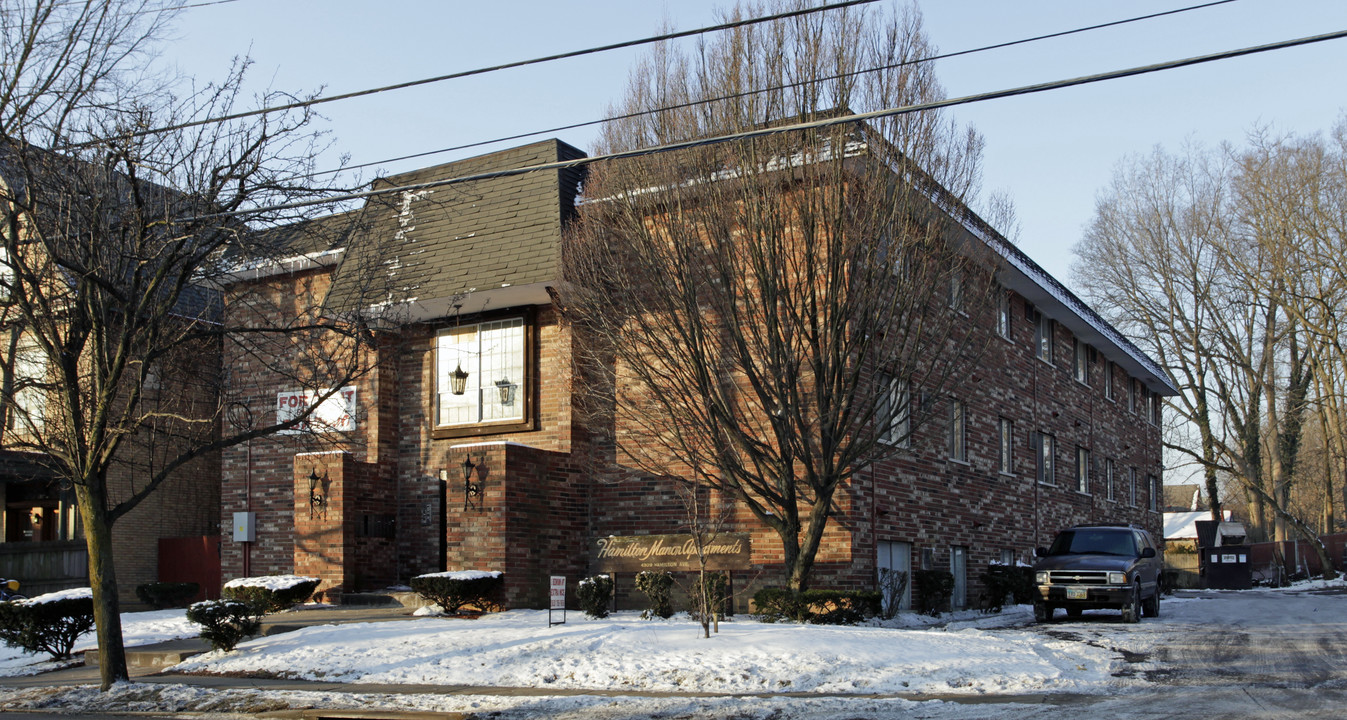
971, 655
142, 628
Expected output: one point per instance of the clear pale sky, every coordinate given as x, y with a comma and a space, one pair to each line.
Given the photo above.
1051, 152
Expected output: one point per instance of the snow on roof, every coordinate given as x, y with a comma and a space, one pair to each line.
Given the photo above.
1183, 525
271, 582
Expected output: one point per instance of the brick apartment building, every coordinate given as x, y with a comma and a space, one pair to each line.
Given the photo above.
463, 447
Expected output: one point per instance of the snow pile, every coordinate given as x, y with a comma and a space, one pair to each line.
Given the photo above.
623, 652
463, 574
83, 593
142, 628
270, 582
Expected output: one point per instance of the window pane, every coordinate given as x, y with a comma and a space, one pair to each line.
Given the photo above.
492, 354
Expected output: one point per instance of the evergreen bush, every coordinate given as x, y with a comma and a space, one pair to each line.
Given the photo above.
1000, 581
932, 591
453, 590
658, 586
163, 595
271, 593
820, 607
224, 623
595, 595
48, 623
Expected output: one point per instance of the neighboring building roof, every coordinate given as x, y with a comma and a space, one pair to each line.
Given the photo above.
495, 240
1180, 498
1183, 525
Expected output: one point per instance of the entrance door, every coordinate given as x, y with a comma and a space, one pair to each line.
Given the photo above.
895, 557
958, 567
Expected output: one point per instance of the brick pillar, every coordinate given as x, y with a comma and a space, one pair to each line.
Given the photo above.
321, 545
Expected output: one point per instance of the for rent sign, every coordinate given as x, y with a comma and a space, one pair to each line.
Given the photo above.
335, 414
633, 553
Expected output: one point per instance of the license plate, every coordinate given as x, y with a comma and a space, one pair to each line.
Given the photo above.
1077, 593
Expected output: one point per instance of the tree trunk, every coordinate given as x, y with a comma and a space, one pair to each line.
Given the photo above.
103, 581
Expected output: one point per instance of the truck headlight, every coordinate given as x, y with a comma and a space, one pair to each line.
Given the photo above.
1041, 578
1117, 578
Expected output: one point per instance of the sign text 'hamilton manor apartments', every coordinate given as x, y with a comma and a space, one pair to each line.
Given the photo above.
633, 553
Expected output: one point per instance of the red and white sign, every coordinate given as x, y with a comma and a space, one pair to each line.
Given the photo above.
558, 592
335, 414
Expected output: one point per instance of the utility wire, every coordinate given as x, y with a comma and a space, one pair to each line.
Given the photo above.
747, 93
479, 71
816, 124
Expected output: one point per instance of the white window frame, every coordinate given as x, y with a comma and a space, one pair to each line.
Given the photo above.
1045, 452
958, 431
1153, 483
1082, 470
1108, 382
1003, 314
1006, 446
485, 365
1044, 330
896, 424
1110, 480
28, 413
1080, 362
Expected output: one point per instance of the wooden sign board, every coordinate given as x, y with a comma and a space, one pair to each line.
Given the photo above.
634, 553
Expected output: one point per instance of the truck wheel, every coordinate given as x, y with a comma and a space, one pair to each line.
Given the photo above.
1131, 612
1151, 607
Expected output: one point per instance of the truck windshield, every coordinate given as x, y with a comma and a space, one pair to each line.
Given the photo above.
1094, 542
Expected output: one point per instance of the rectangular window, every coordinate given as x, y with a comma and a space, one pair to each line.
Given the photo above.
28, 414
1045, 448
958, 438
1003, 314
891, 411
1108, 382
1153, 487
1155, 408
1043, 330
956, 292
1108, 479
6, 274
1132, 486
1082, 470
1007, 446
1080, 361
1131, 395
488, 359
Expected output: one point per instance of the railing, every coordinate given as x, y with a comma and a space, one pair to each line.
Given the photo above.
42, 567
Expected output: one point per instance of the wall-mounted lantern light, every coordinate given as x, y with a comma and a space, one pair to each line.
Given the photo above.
471, 490
318, 489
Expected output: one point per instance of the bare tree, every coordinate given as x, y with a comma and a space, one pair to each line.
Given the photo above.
116, 247
769, 317
1221, 264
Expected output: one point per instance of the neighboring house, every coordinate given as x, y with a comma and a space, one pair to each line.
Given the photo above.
464, 447
1182, 498
41, 534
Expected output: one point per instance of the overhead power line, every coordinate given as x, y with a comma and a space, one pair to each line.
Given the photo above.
774, 88
480, 71
812, 125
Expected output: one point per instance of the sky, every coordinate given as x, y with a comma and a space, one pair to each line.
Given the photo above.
1051, 153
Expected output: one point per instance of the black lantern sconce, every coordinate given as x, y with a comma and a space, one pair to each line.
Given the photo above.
507, 391
472, 491
318, 489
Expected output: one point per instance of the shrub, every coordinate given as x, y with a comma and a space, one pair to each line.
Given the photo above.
717, 593
224, 623
892, 587
271, 593
933, 590
48, 623
1001, 580
452, 590
658, 586
595, 595
820, 607
162, 595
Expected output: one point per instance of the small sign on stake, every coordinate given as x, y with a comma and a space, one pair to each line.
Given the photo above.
557, 593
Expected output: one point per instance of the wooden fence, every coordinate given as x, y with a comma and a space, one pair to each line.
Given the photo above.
42, 567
